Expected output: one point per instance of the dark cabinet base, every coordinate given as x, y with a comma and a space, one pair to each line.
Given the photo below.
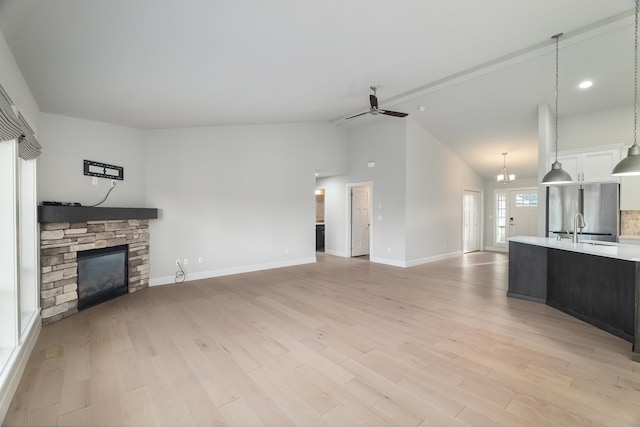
595, 289
320, 237
601, 291
527, 272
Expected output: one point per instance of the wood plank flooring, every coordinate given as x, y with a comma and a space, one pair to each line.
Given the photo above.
339, 343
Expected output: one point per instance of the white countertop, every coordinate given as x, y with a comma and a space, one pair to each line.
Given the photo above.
605, 249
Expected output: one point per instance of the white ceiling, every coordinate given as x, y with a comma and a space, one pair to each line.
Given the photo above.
183, 63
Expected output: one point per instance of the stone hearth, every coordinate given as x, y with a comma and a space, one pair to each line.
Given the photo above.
60, 243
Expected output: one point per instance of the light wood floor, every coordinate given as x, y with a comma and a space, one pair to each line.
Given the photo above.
339, 343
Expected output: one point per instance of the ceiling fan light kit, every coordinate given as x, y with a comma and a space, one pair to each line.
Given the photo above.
557, 175
630, 165
375, 110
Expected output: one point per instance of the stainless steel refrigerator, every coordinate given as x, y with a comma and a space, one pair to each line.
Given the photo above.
599, 203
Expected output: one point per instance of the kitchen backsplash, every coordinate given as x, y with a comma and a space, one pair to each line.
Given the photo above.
630, 223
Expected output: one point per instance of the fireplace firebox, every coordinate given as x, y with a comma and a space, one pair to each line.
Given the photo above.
103, 274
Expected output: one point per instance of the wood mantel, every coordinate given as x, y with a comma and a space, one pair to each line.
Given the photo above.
47, 214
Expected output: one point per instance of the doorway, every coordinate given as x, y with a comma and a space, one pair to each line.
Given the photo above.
320, 215
523, 212
516, 214
360, 219
471, 207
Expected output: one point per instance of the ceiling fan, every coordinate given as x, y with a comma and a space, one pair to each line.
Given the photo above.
374, 110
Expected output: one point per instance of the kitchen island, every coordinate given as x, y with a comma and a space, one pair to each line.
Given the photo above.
596, 282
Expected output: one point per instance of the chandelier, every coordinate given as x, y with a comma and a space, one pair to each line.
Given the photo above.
504, 177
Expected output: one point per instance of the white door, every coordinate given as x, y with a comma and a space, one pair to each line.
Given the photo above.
523, 212
471, 221
360, 206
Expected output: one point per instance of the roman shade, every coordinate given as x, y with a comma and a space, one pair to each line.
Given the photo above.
28, 146
10, 127
14, 126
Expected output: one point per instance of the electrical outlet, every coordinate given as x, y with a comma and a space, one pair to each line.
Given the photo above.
94, 181
113, 183
200, 260
286, 251
185, 261
177, 262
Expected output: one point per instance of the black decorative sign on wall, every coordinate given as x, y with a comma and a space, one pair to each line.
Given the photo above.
103, 170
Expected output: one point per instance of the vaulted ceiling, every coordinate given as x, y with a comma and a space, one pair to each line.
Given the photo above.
479, 67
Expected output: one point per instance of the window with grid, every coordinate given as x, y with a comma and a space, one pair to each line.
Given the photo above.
524, 200
501, 218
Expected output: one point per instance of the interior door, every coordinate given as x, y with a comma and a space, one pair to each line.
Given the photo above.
360, 206
523, 212
471, 221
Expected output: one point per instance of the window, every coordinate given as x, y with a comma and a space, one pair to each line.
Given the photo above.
524, 200
19, 298
501, 218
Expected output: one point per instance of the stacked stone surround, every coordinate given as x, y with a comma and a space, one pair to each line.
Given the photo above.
60, 243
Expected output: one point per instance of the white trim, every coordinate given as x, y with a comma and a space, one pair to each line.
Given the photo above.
9, 271
385, 261
435, 258
494, 228
480, 217
168, 280
496, 249
337, 253
11, 375
413, 263
348, 187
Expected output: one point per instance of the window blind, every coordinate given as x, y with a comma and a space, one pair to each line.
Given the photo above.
14, 126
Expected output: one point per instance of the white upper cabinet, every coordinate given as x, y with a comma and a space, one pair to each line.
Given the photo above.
589, 165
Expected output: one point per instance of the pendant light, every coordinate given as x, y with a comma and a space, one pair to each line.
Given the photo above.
504, 177
556, 175
630, 165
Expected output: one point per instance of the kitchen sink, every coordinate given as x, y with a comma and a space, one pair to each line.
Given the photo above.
597, 243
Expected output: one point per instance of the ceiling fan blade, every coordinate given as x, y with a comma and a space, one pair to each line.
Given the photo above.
357, 115
392, 113
373, 100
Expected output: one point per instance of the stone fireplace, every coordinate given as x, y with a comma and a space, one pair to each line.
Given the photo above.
61, 241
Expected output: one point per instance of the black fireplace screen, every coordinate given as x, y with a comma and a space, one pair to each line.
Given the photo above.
103, 274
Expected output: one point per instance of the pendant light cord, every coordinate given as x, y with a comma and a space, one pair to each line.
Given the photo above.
557, 37
635, 80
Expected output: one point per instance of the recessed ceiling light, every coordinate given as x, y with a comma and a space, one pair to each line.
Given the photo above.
422, 108
585, 84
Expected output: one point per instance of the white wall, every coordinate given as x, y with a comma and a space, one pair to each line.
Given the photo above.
421, 211
240, 197
67, 142
383, 142
436, 179
12, 81
604, 127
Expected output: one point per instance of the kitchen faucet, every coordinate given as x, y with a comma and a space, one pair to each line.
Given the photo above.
578, 222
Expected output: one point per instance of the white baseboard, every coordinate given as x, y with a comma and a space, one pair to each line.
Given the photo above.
167, 280
496, 248
392, 262
336, 253
11, 375
427, 260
